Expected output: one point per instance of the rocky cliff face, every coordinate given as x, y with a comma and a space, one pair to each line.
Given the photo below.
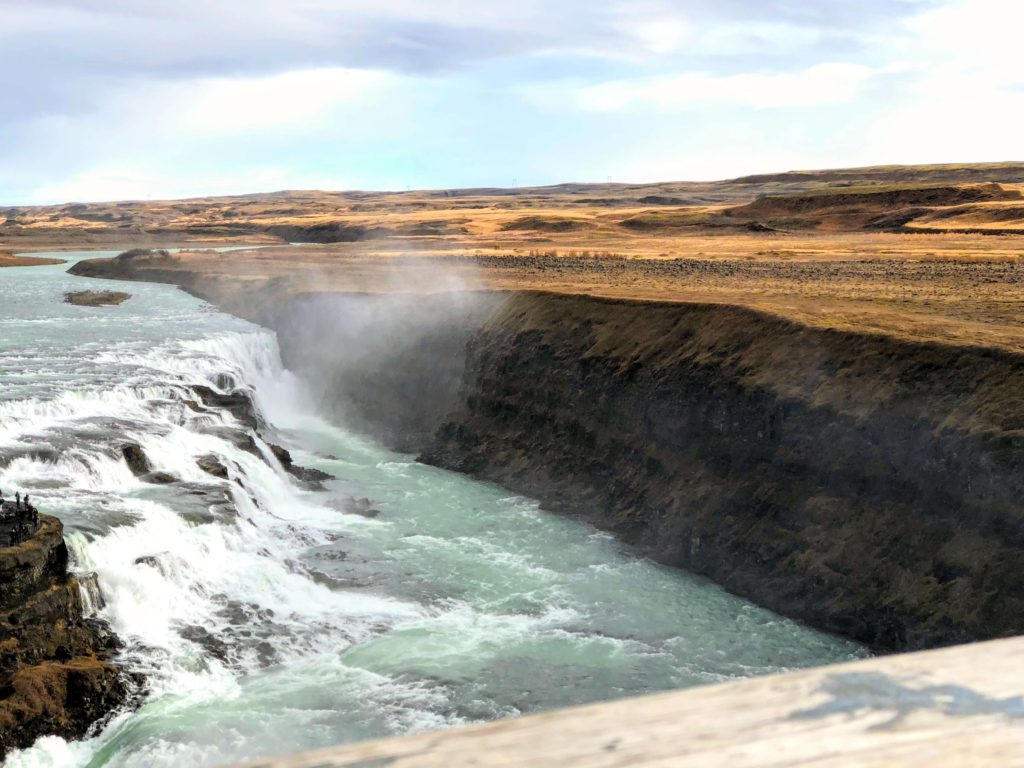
55, 674
866, 486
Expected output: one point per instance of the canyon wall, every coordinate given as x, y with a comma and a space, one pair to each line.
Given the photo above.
863, 485
866, 486
55, 675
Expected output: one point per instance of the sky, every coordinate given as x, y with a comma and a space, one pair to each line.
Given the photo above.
140, 99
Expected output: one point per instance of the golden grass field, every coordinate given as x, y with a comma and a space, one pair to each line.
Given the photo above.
926, 253
11, 260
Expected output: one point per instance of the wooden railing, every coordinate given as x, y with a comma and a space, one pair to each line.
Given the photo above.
954, 708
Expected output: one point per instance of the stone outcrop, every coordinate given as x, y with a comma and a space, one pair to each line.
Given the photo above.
211, 465
236, 402
312, 478
56, 677
136, 459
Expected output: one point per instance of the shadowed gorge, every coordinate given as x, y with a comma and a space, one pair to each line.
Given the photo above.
863, 485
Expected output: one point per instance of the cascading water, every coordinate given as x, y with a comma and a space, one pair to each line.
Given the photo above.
271, 616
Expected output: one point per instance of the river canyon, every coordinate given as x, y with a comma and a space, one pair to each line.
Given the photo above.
268, 610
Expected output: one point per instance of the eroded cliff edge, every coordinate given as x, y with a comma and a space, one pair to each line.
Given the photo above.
55, 672
865, 485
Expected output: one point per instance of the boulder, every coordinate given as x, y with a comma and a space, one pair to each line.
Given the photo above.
212, 466
207, 640
363, 507
237, 402
96, 298
282, 454
314, 478
136, 459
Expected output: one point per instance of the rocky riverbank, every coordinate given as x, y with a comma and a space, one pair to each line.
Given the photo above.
56, 674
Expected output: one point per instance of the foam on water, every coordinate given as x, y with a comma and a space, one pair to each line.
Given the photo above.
270, 617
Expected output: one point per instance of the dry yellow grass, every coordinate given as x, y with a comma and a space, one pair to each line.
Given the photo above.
10, 260
965, 289
922, 253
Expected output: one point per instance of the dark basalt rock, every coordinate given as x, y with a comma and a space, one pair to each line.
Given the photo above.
136, 458
238, 403
314, 478
160, 478
212, 466
282, 454
56, 677
363, 507
310, 475
209, 642
96, 298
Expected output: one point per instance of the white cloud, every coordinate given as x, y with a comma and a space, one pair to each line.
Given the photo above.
972, 35
116, 183
120, 98
817, 85
963, 99
652, 27
144, 181
304, 97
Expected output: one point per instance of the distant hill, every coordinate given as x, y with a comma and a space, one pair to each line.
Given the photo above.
1006, 173
962, 197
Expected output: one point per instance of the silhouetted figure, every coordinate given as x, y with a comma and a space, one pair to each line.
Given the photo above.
17, 500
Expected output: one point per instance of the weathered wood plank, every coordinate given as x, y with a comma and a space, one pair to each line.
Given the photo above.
953, 708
